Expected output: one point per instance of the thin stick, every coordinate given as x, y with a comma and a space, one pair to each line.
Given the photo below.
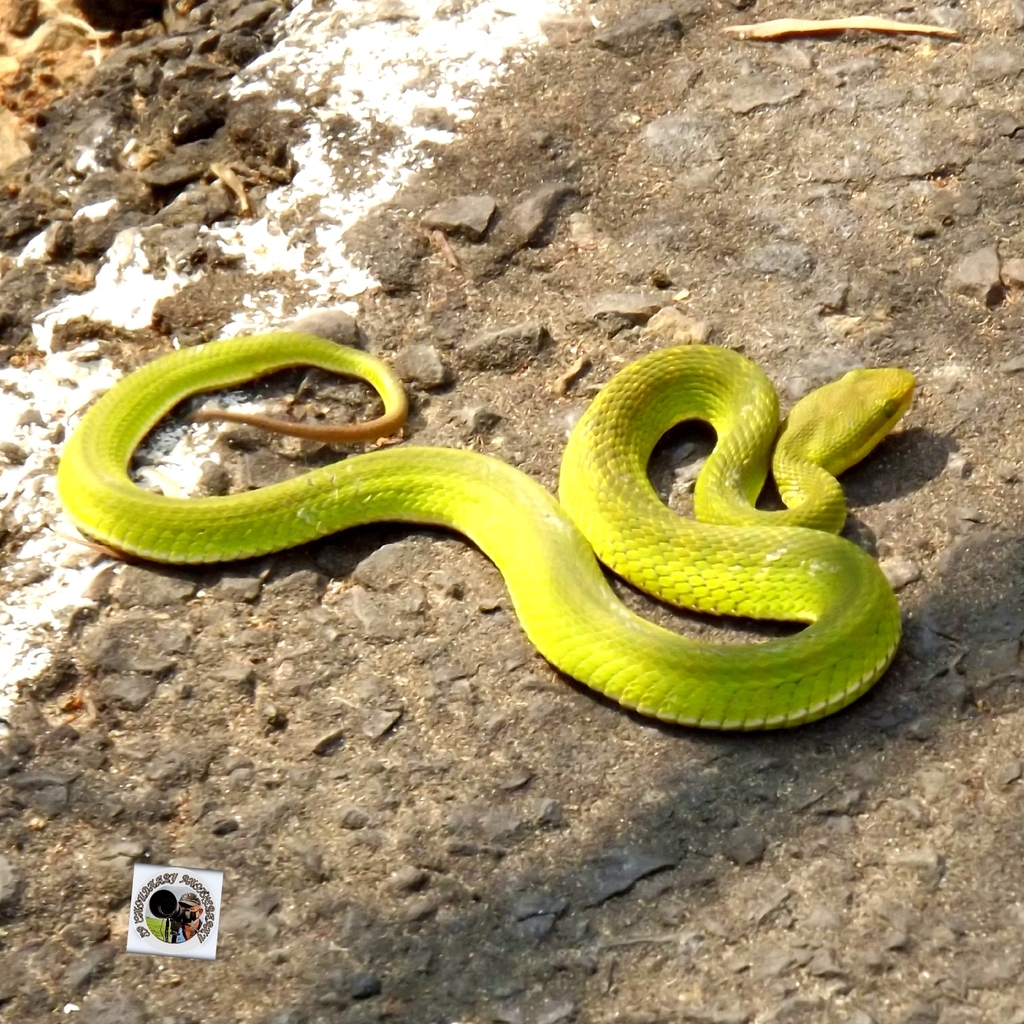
234, 183
864, 22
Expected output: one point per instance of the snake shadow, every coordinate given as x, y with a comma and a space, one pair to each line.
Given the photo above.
901, 465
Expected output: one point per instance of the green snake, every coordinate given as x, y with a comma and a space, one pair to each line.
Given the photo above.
736, 560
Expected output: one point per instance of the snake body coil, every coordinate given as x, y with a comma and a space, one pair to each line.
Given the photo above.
750, 563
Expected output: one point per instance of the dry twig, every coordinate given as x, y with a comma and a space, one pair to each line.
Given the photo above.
231, 181
563, 383
441, 241
866, 23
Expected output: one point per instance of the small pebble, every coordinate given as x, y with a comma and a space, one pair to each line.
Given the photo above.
648, 29
900, 572
365, 986
976, 276
744, 845
635, 307
508, 348
422, 365
464, 215
530, 220
407, 879
677, 328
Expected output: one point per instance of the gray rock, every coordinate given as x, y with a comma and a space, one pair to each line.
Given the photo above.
823, 918
775, 963
365, 986
250, 17
508, 348
353, 817
924, 859
995, 62
759, 91
22, 17
633, 307
124, 850
238, 586
215, 479
546, 811
251, 916
538, 904
44, 792
685, 141
1012, 273
171, 766
128, 690
419, 909
422, 365
797, 1009
377, 723
477, 419
617, 871
10, 883
1008, 773
920, 1013
333, 324
859, 1016
648, 29
199, 204
977, 276
464, 215
385, 568
331, 741
716, 1015
744, 845
185, 164
303, 585
554, 1011
80, 973
499, 824
530, 220
823, 965
13, 454
994, 973
677, 328
934, 782
384, 616
138, 586
549, 1011
290, 1015
784, 258
535, 929
900, 572
407, 879
111, 1008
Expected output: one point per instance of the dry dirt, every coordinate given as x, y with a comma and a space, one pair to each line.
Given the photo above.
419, 820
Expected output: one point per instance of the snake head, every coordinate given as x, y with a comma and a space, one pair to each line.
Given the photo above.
837, 425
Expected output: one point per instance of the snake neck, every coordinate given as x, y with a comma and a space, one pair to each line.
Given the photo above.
811, 494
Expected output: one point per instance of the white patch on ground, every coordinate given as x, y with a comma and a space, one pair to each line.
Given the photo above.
369, 70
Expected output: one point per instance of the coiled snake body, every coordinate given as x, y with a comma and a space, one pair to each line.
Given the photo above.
739, 561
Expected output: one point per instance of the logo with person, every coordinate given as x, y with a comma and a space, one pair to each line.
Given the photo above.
175, 912
173, 917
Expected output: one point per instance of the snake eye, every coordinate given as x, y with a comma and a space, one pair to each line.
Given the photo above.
890, 408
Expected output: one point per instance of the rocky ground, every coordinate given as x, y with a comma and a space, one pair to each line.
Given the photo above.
418, 819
